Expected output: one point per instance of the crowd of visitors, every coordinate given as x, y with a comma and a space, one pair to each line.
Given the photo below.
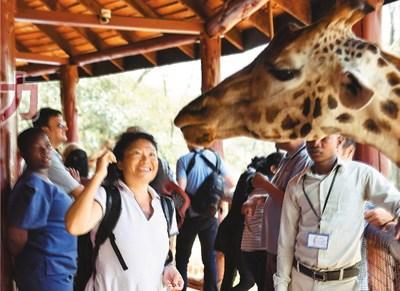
296, 220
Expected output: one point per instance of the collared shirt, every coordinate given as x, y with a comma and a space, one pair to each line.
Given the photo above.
342, 219
143, 243
290, 166
39, 207
59, 175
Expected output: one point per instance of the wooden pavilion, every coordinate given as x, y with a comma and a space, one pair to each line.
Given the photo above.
70, 39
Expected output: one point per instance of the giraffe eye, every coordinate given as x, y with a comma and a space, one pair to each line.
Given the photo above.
284, 75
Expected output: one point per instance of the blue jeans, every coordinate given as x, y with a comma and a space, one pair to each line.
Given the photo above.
206, 228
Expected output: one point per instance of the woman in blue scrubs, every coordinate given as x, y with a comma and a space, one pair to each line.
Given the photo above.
45, 253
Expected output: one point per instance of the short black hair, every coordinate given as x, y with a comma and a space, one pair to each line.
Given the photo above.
129, 138
41, 119
78, 160
27, 137
263, 164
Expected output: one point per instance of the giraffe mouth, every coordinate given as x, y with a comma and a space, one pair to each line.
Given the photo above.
198, 134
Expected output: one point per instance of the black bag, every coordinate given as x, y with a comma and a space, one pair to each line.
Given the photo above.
87, 254
207, 197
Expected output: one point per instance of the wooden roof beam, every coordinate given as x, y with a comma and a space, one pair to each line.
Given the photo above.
150, 45
38, 70
40, 59
233, 36
262, 23
299, 9
116, 22
146, 11
231, 14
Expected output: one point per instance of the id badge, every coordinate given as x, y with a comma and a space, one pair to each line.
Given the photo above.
318, 241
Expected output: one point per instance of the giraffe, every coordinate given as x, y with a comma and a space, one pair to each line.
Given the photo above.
308, 83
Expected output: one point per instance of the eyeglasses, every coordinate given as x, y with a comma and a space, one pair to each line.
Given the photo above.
62, 125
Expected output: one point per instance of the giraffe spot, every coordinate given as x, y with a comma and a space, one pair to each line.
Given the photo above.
385, 125
390, 109
338, 51
382, 62
317, 108
346, 59
352, 54
396, 91
255, 117
338, 42
393, 79
331, 46
306, 106
308, 83
361, 46
289, 123
320, 89
325, 50
316, 46
347, 43
332, 103
347, 52
371, 126
305, 129
271, 114
293, 135
358, 55
252, 133
345, 118
298, 94
372, 48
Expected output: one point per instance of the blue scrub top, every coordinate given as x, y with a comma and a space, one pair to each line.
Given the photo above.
39, 207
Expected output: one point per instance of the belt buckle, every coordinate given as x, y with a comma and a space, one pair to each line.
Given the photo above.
319, 276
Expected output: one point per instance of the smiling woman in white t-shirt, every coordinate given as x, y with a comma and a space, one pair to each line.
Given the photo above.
141, 231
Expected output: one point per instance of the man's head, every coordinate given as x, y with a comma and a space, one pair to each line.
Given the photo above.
324, 149
52, 122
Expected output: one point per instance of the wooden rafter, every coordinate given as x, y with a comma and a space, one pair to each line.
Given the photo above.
144, 46
116, 22
146, 11
150, 45
300, 9
261, 22
232, 13
233, 36
40, 59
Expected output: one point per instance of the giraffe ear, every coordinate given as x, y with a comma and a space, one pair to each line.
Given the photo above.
353, 93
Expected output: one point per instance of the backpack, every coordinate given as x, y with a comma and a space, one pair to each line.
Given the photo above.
87, 253
207, 197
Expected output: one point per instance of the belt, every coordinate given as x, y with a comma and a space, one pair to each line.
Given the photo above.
339, 274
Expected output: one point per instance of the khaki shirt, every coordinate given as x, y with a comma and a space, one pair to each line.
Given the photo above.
342, 219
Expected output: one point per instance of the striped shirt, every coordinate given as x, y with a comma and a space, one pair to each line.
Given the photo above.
252, 231
289, 166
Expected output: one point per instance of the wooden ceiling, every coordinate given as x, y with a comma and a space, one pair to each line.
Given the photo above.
141, 33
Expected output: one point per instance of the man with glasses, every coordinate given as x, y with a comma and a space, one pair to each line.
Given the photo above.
52, 122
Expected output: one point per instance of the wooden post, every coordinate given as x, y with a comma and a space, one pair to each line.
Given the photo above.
210, 51
211, 72
370, 29
68, 81
8, 129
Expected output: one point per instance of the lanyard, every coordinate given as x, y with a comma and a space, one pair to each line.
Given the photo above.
327, 197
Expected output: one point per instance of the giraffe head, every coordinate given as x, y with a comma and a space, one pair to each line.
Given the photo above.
307, 83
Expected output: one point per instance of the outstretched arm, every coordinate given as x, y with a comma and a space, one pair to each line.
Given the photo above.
85, 212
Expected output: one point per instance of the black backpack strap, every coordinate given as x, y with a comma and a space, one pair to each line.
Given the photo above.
107, 225
168, 208
217, 166
191, 163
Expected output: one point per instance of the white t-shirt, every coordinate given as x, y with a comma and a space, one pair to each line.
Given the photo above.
143, 243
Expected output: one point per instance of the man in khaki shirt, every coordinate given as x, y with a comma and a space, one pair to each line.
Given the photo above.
322, 220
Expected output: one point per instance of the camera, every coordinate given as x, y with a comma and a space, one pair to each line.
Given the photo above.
105, 16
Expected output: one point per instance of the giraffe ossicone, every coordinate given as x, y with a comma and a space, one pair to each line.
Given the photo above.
307, 83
